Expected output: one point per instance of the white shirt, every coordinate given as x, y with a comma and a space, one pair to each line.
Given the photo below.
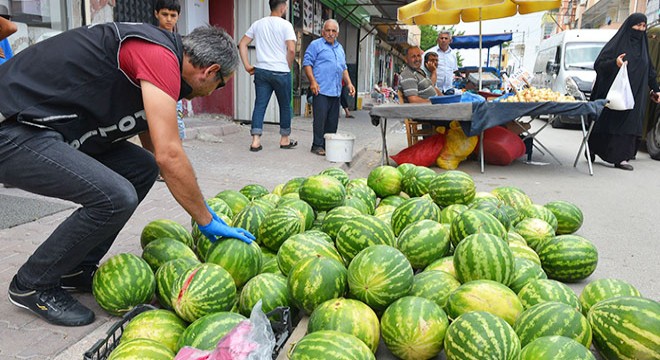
447, 64
269, 35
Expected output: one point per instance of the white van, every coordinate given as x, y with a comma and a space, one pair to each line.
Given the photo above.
569, 56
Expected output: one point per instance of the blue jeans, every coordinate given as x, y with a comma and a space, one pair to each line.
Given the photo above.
326, 118
108, 186
265, 82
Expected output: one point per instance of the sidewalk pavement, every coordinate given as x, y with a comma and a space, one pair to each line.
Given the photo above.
218, 149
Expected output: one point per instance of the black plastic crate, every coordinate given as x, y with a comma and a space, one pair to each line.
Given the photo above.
280, 322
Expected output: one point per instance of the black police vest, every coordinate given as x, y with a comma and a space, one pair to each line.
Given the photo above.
72, 83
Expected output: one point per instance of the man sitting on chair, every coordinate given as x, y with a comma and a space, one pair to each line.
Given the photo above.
414, 84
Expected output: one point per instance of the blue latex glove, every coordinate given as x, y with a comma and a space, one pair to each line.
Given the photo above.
217, 227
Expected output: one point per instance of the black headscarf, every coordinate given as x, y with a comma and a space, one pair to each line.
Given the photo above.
631, 42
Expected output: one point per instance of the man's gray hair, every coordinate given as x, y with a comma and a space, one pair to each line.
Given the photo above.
332, 21
208, 45
445, 32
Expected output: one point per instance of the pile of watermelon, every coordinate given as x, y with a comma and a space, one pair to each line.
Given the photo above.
418, 261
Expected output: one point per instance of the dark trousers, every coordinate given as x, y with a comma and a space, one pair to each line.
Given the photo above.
108, 187
326, 118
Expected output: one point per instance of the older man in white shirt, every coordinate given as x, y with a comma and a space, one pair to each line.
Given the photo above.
447, 62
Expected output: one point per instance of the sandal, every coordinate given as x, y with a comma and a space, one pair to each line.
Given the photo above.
292, 143
318, 151
255, 149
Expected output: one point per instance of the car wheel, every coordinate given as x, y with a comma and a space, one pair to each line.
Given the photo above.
653, 141
555, 122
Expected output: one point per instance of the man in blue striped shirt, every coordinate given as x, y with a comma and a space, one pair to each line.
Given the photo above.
325, 66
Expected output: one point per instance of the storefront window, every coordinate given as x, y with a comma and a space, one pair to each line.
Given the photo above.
49, 14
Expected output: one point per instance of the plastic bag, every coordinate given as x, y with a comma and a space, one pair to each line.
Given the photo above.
471, 97
423, 153
251, 339
620, 96
457, 148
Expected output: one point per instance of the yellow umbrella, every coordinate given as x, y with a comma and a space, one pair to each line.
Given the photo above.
449, 12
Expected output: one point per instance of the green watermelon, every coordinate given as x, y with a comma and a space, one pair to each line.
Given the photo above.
416, 181
220, 206
405, 168
475, 221
202, 290
626, 327
385, 180
140, 349
165, 228
293, 185
271, 289
394, 200
484, 295
159, 325
603, 289
525, 271
555, 348
544, 290
336, 173
122, 282
330, 344
536, 232
277, 190
279, 225
569, 216
249, 218
234, 199
272, 198
449, 213
361, 232
413, 210
301, 206
568, 258
322, 192
265, 204
243, 261
413, 328
314, 280
445, 264
348, 316
364, 193
521, 251
205, 332
162, 250
357, 203
379, 275
434, 285
423, 242
270, 266
167, 274
479, 335
483, 256
514, 237
452, 187
539, 212
336, 218
552, 318
253, 191
300, 246
495, 208
512, 196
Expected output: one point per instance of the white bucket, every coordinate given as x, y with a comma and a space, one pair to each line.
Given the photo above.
339, 147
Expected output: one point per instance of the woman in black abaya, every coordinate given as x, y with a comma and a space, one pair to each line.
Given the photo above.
616, 134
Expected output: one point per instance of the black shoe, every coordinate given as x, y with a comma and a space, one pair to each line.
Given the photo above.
54, 305
79, 280
318, 151
624, 166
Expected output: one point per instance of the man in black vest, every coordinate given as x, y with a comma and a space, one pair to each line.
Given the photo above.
68, 106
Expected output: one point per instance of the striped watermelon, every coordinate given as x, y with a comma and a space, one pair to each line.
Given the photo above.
525, 270
514, 237
413, 328
348, 316
253, 191
336, 218
293, 185
159, 325
480, 196
202, 290
544, 290
322, 192
384, 212
358, 204
279, 225
483, 256
250, 218
512, 196
265, 204
385, 180
568, 258
272, 198
480, 335
445, 264
165, 228
449, 213
379, 275
234, 199
330, 344
302, 207
270, 266
475, 221
423, 242
521, 251
434, 285
314, 280
219, 206
277, 190
139, 349
539, 212
626, 327
336, 173
394, 200
364, 193
162, 250
319, 235
271, 289
300, 246
242, 261
536, 232
493, 207
555, 348
122, 282
452, 187
552, 318
405, 168
603, 289
167, 274
484, 295
205, 332
416, 181
361, 232
413, 210
569, 216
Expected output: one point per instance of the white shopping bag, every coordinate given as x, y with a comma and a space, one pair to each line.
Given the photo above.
620, 95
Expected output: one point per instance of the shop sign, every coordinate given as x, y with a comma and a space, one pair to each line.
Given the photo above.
397, 36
